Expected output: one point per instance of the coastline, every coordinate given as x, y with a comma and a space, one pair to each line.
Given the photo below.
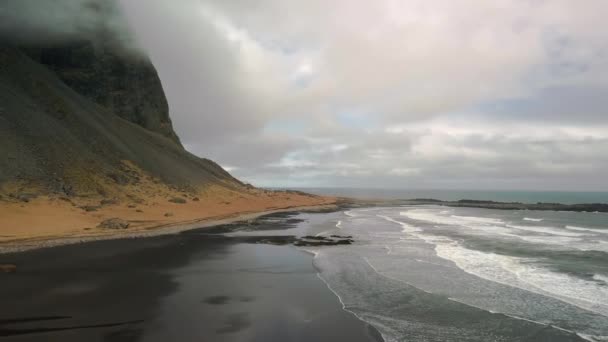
27, 244
485, 204
241, 288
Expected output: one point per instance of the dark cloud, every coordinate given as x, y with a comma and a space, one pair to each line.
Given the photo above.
582, 104
52, 22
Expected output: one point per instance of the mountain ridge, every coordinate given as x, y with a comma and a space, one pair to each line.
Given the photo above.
86, 138
68, 131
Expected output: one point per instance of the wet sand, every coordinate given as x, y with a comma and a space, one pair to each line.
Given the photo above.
192, 286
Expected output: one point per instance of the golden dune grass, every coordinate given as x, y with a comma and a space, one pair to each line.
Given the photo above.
53, 217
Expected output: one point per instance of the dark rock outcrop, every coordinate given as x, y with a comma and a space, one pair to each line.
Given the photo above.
124, 83
114, 223
8, 268
333, 240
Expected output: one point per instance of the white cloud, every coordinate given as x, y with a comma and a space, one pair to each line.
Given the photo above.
377, 93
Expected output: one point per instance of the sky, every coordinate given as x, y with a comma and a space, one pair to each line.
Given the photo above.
387, 93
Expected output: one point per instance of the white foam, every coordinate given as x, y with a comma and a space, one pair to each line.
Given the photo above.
315, 253
593, 338
492, 230
586, 337
338, 225
523, 273
426, 215
584, 229
406, 228
601, 277
349, 213
546, 230
430, 216
344, 305
552, 240
532, 219
479, 219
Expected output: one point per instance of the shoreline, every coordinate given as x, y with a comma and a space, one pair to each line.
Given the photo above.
27, 244
149, 230
186, 282
467, 203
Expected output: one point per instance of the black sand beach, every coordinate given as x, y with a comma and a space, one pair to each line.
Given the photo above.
192, 286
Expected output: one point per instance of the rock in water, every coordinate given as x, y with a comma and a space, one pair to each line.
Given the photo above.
114, 223
8, 268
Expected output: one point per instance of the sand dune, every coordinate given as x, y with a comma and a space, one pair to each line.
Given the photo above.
48, 218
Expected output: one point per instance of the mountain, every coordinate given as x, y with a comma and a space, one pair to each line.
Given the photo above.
79, 120
86, 137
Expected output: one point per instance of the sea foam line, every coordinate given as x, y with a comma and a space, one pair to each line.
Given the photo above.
349, 213
546, 230
345, 308
518, 275
338, 225
584, 229
443, 245
533, 219
406, 228
479, 219
391, 278
586, 337
452, 220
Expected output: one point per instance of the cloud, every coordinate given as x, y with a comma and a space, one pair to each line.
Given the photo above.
35, 23
417, 93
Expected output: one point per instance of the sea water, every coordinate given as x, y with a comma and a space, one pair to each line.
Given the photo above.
434, 273
565, 197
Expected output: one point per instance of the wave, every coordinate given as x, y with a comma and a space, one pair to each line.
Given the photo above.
552, 240
428, 216
533, 219
406, 228
338, 225
600, 277
524, 274
546, 230
590, 294
479, 219
584, 229
423, 215
345, 308
592, 338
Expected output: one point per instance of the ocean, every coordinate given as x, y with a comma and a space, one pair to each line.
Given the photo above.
433, 273
565, 197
